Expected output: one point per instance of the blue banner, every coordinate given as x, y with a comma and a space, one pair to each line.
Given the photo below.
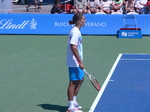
58, 24
130, 34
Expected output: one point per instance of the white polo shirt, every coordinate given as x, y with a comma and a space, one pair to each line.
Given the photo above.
74, 38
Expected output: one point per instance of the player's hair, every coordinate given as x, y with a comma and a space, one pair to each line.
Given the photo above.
76, 17
57, 1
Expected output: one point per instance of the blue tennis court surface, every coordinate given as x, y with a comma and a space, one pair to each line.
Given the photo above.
127, 87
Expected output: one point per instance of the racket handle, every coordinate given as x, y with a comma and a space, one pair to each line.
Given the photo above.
85, 71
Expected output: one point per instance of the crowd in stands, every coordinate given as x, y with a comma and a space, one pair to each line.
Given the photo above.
102, 7
36, 3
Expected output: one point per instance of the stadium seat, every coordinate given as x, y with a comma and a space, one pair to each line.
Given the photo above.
100, 13
116, 13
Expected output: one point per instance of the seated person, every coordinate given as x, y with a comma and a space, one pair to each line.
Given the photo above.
33, 2
75, 10
80, 6
105, 6
129, 6
93, 6
124, 6
117, 5
67, 6
144, 9
148, 7
56, 9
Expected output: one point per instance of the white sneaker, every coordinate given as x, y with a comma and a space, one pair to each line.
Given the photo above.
77, 105
74, 109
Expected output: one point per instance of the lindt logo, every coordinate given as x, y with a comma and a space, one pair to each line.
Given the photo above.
9, 24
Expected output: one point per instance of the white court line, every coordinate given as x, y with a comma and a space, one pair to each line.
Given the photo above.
105, 84
136, 59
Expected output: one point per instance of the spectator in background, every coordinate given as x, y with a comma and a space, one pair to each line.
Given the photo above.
40, 4
145, 4
124, 6
75, 10
129, 6
138, 7
147, 7
105, 6
67, 6
33, 2
56, 9
21, 2
116, 6
81, 6
93, 6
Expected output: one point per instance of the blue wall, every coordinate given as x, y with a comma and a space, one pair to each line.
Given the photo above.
58, 24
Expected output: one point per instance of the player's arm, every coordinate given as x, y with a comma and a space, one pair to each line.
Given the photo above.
76, 54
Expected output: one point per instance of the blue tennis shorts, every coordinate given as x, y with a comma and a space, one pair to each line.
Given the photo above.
75, 73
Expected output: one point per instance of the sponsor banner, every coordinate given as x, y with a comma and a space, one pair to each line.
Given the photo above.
58, 24
130, 34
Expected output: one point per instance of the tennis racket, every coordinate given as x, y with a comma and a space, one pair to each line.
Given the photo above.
93, 80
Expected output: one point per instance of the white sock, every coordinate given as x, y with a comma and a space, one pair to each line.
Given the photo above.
74, 98
71, 104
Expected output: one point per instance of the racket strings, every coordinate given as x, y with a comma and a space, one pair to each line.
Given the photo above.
95, 83
93, 80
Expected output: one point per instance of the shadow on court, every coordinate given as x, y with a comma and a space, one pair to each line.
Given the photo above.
53, 107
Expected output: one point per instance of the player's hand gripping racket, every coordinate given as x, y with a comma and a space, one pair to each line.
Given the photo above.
93, 80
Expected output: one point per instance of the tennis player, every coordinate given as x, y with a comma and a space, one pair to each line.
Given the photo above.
75, 61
